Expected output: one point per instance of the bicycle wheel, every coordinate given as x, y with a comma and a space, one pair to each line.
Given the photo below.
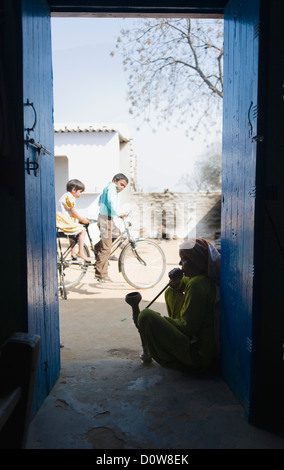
144, 265
70, 272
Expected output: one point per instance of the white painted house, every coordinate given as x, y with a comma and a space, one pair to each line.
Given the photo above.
93, 153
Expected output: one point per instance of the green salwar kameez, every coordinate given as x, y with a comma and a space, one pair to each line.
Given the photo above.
184, 339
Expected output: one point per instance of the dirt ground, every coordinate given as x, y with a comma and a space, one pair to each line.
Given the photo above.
112, 324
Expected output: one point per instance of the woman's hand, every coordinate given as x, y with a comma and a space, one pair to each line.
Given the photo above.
175, 276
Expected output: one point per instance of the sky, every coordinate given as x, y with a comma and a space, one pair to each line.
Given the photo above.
90, 85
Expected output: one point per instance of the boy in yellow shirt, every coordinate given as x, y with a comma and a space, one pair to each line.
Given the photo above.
67, 216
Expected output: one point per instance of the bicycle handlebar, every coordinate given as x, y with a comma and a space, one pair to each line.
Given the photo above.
126, 223
94, 221
91, 221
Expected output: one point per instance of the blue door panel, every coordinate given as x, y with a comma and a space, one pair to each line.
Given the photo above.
240, 106
42, 297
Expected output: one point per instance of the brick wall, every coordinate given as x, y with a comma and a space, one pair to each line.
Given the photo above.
176, 215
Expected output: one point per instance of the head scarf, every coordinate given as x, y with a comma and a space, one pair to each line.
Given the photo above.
204, 256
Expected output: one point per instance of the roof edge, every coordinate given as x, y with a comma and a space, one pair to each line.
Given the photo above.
120, 128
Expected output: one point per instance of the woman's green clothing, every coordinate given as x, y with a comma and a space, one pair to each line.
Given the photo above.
185, 339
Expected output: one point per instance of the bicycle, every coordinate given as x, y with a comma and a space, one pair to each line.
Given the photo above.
142, 262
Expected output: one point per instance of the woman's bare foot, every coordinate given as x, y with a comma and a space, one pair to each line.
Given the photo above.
83, 256
74, 254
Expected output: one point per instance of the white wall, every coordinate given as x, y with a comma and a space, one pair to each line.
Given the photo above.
61, 175
93, 156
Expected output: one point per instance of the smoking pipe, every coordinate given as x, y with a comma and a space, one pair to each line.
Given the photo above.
134, 298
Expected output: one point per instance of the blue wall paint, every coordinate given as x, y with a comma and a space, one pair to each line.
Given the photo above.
42, 296
241, 39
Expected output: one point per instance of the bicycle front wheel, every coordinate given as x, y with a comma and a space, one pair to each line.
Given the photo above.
144, 265
70, 271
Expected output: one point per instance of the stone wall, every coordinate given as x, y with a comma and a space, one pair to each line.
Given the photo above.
176, 215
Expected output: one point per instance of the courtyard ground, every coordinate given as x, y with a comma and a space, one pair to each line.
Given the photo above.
105, 398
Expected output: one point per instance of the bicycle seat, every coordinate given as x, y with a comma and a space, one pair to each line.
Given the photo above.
61, 234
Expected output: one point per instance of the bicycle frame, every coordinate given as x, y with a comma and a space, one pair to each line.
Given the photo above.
62, 262
125, 236
74, 240
117, 242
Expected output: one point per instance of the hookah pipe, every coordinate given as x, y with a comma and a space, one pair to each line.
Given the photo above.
134, 298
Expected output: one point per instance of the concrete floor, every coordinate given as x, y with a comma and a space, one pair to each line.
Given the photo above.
105, 398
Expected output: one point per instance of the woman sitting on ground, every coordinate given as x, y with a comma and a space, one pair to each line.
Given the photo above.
185, 340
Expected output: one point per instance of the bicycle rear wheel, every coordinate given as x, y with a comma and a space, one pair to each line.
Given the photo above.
144, 265
70, 272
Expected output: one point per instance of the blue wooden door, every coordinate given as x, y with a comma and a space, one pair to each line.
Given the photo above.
42, 297
241, 40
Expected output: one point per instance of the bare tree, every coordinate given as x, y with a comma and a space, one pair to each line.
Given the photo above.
175, 69
206, 175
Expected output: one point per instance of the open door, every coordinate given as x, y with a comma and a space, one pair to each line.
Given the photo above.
240, 151
42, 296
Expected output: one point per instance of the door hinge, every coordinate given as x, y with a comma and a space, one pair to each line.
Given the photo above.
252, 192
249, 344
251, 269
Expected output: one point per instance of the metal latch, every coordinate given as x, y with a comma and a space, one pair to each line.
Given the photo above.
33, 165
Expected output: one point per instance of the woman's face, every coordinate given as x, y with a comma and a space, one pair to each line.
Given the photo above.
187, 267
